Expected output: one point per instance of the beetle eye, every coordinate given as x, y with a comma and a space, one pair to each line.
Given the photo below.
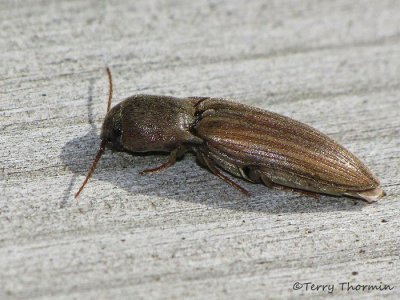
113, 138
116, 133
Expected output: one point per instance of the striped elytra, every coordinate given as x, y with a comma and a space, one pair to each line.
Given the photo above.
281, 151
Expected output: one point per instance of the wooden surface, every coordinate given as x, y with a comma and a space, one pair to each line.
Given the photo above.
184, 234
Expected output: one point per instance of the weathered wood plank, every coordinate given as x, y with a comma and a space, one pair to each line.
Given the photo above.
183, 233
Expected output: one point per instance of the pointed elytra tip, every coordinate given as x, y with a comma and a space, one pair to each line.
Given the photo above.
370, 195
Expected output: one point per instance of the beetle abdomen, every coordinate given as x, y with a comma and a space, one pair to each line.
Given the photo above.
284, 151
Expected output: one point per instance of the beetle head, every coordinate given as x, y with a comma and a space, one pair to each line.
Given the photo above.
111, 130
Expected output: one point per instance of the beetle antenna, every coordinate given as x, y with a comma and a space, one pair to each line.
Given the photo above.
93, 167
110, 89
103, 142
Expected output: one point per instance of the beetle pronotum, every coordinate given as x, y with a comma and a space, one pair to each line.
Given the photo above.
247, 142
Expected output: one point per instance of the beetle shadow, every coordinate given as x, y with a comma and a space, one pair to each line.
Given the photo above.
185, 181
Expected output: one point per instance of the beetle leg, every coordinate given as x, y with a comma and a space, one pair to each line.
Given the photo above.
203, 159
256, 176
268, 182
170, 162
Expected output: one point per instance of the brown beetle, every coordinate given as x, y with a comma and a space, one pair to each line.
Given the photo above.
247, 142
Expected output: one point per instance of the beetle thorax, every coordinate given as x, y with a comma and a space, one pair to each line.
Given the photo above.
145, 123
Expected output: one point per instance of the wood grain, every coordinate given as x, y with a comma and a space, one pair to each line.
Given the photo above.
184, 234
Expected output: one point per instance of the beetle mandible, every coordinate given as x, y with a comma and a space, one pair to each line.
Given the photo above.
247, 142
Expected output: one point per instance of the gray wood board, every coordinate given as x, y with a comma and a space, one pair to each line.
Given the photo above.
183, 233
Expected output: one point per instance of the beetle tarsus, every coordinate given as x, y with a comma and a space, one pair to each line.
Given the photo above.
158, 169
